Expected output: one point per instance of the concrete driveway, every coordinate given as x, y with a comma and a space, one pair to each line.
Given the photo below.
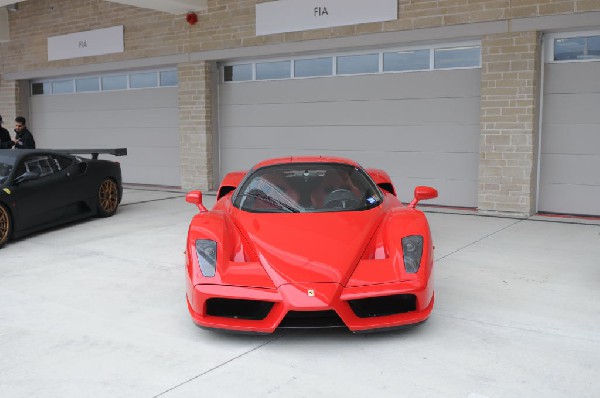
97, 309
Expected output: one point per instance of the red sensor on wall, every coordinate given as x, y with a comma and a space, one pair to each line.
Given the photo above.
191, 18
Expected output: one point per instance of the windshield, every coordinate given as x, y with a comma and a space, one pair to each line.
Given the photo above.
307, 188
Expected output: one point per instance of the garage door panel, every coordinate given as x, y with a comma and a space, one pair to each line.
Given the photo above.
107, 100
573, 139
573, 108
351, 113
154, 145
146, 122
571, 199
402, 164
573, 169
150, 175
570, 141
449, 138
427, 165
410, 85
422, 126
137, 159
572, 77
244, 158
119, 119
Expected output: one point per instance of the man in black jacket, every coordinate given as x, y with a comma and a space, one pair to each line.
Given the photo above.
24, 138
5, 140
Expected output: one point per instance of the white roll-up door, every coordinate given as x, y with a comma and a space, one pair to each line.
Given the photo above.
421, 127
145, 121
570, 146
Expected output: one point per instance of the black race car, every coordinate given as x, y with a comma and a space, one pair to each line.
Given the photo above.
43, 188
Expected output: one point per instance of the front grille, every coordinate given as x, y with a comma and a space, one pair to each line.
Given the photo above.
385, 305
311, 319
240, 309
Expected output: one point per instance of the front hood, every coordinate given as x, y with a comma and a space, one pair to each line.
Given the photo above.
309, 247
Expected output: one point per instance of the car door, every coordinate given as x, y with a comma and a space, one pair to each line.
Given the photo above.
43, 199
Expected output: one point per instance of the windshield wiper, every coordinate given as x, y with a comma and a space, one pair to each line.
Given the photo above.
268, 199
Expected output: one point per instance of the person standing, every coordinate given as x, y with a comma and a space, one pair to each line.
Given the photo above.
5, 140
24, 138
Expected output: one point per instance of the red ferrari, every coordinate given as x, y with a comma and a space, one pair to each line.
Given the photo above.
309, 242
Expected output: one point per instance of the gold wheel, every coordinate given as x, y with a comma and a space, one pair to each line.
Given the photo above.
108, 198
5, 225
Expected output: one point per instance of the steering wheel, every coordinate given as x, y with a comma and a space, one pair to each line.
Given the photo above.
340, 199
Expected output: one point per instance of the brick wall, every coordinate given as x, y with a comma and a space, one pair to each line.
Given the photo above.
147, 33
510, 73
10, 106
195, 125
227, 24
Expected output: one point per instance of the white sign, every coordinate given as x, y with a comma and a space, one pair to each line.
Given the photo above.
297, 15
85, 44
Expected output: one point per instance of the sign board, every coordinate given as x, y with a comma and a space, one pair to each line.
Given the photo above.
85, 44
298, 15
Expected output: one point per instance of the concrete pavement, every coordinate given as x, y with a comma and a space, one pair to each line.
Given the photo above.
97, 309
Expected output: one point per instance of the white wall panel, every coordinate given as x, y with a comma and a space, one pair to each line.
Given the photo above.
144, 121
422, 127
570, 146
409, 85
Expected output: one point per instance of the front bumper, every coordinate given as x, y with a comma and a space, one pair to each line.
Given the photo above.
261, 310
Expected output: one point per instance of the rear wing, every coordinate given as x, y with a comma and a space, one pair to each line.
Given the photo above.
95, 152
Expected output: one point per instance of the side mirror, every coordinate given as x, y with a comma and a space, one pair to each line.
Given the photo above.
195, 198
27, 176
423, 193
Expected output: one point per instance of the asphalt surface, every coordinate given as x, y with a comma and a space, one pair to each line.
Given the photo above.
97, 309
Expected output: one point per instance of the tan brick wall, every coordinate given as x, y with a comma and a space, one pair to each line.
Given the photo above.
146, 33
195, 125
510, 73
227, 24
10, 106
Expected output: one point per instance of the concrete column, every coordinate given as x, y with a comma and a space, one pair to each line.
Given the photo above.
510, 85
196, 126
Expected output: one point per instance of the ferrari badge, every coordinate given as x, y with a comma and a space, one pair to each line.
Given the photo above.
311, 293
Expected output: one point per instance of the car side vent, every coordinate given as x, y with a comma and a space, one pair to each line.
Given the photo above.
82, 168
385, 305
240, 309
387, 187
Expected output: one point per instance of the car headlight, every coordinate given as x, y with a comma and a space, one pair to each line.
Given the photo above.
206, 250
412, 246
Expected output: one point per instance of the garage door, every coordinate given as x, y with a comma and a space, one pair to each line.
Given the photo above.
145, 121
570, 148
421, 127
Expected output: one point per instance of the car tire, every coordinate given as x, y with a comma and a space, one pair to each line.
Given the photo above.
6, 225
108, 198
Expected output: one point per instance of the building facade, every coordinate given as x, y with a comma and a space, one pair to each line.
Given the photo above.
493, 102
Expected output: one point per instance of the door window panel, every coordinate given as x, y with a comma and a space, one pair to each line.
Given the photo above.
355, 64
406, 60
273, 70
313, 67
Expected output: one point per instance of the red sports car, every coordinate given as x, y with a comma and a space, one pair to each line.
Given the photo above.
309, 242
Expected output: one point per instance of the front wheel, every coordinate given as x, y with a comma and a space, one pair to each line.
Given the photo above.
5, 225
108, 198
